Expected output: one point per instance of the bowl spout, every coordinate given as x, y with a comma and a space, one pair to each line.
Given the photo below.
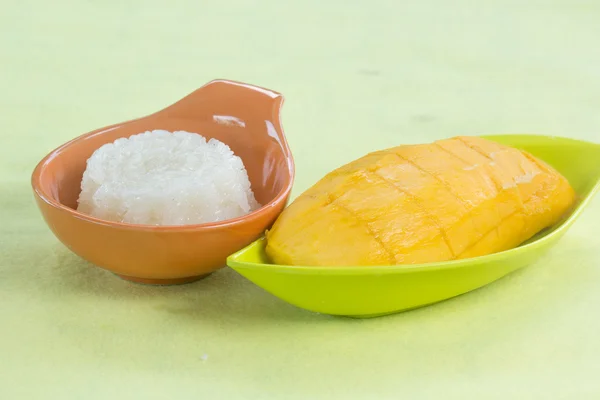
233, 103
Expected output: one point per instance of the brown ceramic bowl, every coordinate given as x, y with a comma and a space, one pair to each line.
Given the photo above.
244, 117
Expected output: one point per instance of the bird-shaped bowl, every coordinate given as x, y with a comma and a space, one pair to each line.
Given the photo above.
245, 117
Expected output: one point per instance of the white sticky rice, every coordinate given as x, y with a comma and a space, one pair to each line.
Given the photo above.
164, 178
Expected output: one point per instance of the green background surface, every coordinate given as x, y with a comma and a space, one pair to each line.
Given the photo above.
357, 76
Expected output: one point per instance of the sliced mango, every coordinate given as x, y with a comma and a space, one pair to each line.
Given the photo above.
451, 199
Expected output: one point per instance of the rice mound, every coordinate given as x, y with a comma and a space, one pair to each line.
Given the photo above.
163, 178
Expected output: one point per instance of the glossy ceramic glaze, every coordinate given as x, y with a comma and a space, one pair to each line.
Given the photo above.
371, 291
245, 117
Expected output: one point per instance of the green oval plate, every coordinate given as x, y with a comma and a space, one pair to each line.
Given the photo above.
360, 291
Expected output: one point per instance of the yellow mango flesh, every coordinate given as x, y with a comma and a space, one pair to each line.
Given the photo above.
451, 199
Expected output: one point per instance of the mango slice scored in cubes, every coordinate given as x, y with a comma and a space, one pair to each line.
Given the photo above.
452, 199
